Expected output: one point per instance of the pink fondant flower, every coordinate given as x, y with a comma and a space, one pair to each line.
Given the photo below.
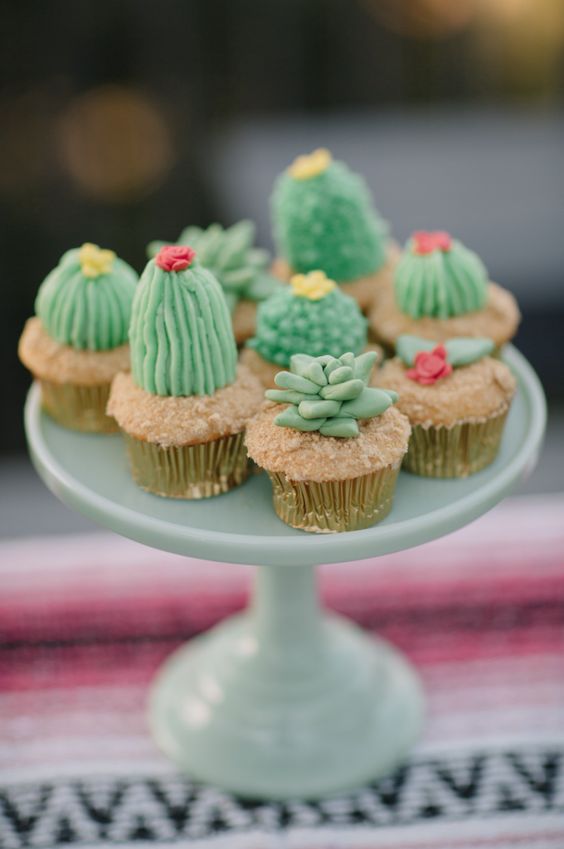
175, 257
430, 366
426, 242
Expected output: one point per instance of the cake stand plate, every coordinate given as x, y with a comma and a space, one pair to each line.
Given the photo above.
282, 700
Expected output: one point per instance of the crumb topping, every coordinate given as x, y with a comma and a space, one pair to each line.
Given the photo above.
168, 420
309, 456
49, 360
470, 393
497, 321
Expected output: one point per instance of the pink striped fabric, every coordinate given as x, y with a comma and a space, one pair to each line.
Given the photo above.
85, 621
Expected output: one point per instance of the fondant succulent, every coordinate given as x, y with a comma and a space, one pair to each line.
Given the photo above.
329, 394
460, 350
229, 254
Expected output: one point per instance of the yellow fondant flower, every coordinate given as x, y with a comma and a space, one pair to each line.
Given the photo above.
314, 285
310, 165
94, 261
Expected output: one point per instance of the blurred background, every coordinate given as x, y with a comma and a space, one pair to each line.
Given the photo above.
124, 122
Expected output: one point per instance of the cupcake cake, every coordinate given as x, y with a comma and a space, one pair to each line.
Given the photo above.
440, 291
77, 341
184, 407
456, 397
334, 449
310, 316
241, 268
323, 218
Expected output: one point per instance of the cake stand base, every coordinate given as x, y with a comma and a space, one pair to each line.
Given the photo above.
286, 702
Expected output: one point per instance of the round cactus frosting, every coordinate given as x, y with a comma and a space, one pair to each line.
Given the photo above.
230, 255
180, 335
85, 302
311, 315
438, 277
329, 394
323, 217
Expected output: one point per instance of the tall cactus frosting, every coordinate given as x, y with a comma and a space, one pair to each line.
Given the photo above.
85, 302
312, 315
438, 277
229, 254
181, 336
329, 394
323, 218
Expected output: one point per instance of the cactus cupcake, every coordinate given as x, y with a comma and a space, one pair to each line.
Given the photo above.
323, 218
185, 404
334, 451
241, 268
77, 342
311, 316
441, 290
456, 397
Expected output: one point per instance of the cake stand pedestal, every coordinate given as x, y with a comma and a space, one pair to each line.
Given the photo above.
282, 700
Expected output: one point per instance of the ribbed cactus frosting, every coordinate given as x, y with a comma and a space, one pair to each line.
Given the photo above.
311, 315
323, 217
181, 335
438, 277
85, 302
329, 394
230, 255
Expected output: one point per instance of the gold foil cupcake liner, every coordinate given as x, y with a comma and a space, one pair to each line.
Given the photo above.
454, 452
78, 407
189, 471
333, 506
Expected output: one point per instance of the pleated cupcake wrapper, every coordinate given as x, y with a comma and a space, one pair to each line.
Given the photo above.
454, 452
189, 471
78, 407
332, 506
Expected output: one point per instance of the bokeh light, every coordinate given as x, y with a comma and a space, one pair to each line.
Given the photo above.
423, 18
115, 144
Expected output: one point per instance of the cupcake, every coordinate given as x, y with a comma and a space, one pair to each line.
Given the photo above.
334, 451
310, 316
184, 407
456, 398
241, 268
323, 218
77, 341
440, 291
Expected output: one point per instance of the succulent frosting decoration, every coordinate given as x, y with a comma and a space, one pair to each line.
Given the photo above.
329, 394
429, 362
181, 335
85, 302
438, 277
310, 315
324, 218
230, 255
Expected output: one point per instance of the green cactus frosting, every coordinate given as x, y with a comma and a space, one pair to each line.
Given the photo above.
229, 254
85, 302
438, 277
311, 315
181, 335
323, 217
329, 394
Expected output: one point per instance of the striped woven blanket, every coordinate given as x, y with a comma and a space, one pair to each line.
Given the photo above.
85, 621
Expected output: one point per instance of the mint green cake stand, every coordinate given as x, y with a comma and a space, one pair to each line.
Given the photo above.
283, 700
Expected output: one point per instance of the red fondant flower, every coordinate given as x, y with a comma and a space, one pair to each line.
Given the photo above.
430, 366
426, 243
175, 257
